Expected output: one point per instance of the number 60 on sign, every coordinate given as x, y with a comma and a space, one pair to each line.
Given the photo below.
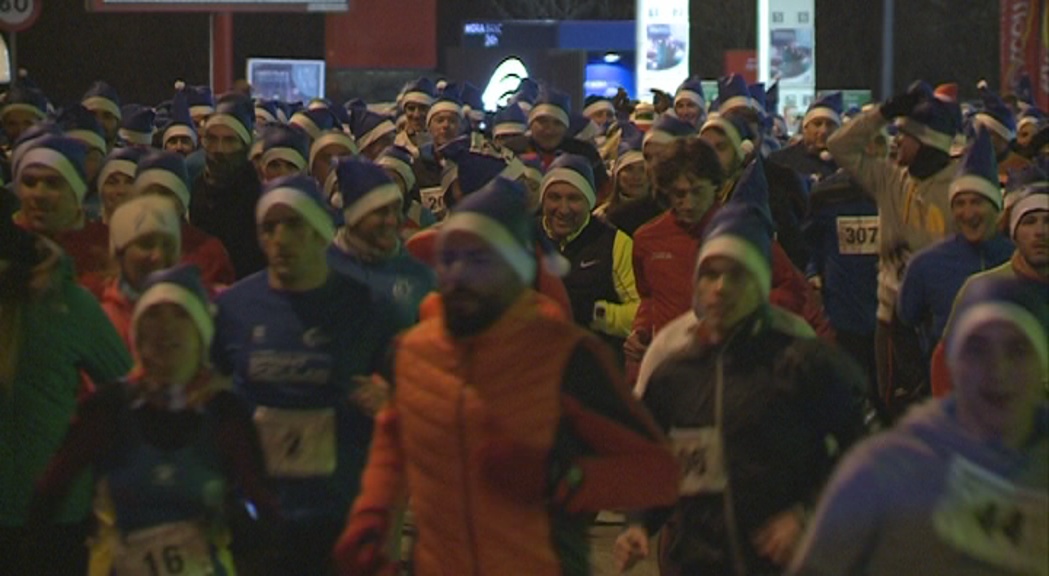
17, 15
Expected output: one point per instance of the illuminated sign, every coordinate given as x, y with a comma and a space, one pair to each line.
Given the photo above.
662, 45
286, 80
787, 49
507, 76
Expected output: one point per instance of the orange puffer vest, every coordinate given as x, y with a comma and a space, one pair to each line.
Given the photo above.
446, 388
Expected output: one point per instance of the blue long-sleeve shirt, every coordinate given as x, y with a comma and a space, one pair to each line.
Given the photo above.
935, 275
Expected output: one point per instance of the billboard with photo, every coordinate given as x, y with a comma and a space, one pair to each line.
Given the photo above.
285, 79
662, 45
787, 49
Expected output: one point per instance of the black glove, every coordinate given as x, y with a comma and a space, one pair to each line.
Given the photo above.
901, 104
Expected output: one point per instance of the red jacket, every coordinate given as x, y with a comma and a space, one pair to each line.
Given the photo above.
208, 253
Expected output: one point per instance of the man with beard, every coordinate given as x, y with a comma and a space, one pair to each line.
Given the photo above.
509, 427
444, 122
809, 157
224, 196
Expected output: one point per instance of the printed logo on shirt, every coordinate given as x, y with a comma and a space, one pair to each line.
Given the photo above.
988, 517
662, 256
402, 288
588, 264
275, 367
315, 337
258, 334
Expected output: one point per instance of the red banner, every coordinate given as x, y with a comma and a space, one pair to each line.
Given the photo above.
1024, 36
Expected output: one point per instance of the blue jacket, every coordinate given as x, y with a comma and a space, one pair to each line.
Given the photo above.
402, 280
935, 275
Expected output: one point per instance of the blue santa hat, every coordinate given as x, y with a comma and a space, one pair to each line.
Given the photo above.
574, 170
552, 104
122, 160
757, 97
166, 169
1028, 192
27, 138
742, 230
269, 111
498, 215
27, 98
1031, 115
288, 143
182, 286
360, 187
368, 126
995, 116
978, 171
735, 128
449, 100
582, 128
473, 104
78, 122
181, 123
300, 193
314, 121
141, 216
732, 93
526, 94
595, 103
772, 99
236, 113
473, 169
933, 122
509, 121
61, 153
101, 97
419, 91
668, 128
318, 104
692, 90
629, 150
137, 124
828, 105
399, 160
990, 299
200, 99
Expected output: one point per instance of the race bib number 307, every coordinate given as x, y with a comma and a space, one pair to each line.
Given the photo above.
297, 443
176, 549
985, 516
857, 234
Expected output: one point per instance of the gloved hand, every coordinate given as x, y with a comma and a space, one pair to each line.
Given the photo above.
901, 104
359, 550
517, 470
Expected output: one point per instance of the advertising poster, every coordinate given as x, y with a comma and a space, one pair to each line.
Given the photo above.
1024, 49
787, 49
287, 80
662, 45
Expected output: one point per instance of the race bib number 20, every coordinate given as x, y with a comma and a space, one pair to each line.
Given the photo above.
857, 234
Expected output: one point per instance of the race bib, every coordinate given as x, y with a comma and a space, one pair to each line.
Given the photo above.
700, 454
987, 517
433, 199
297, 443
178, 548
857, 235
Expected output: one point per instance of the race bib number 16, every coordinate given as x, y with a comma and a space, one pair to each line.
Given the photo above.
857, 234
176, 549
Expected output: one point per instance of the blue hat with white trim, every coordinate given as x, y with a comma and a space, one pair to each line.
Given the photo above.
368, 126
101, 97
287, 143
772, 99
420, 91
995, 116
828, 105
498, 215
742, 230
552, 104
27, 98
757, 97
732, 93
137, 124
692, 90
473, 104
400, 160
166, 169
449, 100
78, 122
574, 170
736, 129
182, 286
629, 151
314, 121
268, 112
668, 128
61, 153
121, 160
180, 123
363, 187
300, 193
978, 171
933, 122
200, 99
236, 113
509, 121
1031, 115
596, 103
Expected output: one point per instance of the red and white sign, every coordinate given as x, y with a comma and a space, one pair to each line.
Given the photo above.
1024, 35
17, 15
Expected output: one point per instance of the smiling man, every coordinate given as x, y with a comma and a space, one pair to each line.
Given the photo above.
936, 273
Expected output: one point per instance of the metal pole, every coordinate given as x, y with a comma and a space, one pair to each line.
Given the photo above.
12, 50
888, 20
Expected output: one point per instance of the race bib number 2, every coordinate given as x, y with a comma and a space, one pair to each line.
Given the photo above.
701, 457
987, 517
297, 443
176, 549
857, 234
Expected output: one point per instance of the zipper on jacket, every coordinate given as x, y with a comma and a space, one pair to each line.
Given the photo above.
464, 449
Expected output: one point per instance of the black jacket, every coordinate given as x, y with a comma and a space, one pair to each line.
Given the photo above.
228, 213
